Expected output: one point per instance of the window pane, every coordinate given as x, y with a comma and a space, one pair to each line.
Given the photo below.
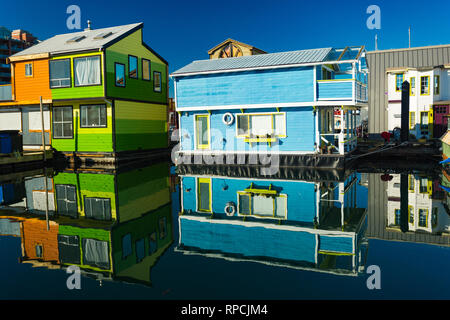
244, 204
145, 69
132, 67
93, 116
96, 253
126, 245
60, 73
57, 114
87, 71
280, 207
57, 130
120, 75
263, 205
67, 114
261, 125
202, 130
279, 124
67, 130
157, 81
204, 196
242, 122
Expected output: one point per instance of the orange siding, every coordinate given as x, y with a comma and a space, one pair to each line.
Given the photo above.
34, 232
28, 89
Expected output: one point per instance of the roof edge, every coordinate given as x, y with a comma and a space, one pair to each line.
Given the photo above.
235, 41
408, 49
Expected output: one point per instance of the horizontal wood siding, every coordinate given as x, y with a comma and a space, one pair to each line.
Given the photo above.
86, 139
335, 89
137, 89
336, 244
28, 89
140, 125
252, 87
94, 91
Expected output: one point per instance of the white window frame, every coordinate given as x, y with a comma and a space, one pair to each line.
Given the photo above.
284, 135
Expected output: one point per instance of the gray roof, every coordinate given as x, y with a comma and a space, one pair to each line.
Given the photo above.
256, 61
59, 44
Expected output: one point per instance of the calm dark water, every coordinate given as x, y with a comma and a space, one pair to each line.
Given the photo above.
288, 238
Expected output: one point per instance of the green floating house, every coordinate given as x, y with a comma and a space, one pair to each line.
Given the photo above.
106, 89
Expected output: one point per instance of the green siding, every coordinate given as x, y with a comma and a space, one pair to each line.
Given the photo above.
446, 149
135, 89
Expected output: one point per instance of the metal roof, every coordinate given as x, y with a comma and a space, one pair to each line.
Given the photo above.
61, 44
256, 61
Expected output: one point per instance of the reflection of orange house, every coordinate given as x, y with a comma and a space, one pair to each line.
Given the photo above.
38, 243
232, 48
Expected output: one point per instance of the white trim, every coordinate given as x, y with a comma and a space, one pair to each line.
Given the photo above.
181, 195
315, 82
195, 130
261, 68
316, 249
331, 102
250, 224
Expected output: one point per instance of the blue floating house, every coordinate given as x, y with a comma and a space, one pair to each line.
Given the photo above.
298, 103
317, 225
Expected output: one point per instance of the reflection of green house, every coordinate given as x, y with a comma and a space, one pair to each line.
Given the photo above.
109, 197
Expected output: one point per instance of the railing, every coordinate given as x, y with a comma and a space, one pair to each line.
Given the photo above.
6, 92
339, 143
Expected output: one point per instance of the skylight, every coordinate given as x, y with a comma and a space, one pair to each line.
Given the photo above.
76, 39
102, 35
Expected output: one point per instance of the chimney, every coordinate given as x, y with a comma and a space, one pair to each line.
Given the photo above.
89, 26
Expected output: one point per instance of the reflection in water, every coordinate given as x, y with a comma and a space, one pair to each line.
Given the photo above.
315, 225
113, 225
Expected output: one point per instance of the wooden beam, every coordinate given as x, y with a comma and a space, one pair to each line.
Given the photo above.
28, 57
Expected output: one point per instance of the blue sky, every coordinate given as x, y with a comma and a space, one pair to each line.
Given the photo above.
182, 31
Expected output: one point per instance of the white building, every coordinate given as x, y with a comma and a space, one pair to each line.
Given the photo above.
429, 99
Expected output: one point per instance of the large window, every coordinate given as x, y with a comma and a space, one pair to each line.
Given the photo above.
157, 81
436, 85
413, 86
204, 194
273, 206
97, 208
93, 116
146, 69
60, 73
87, 71
120, 75
66, 200
96, 253
133, 67
261, 125
398, 82
202, 131
425, 85
62, 122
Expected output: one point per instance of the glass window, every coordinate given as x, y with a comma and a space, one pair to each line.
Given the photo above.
66, 200
424, 85
39, 251
157, 81
411, 182
28, 69
202, 132
261, 125
120, 75
126, 246
436, 85
244, 203
423, 218
413, 86
424, 120
133, 67
262, 205
243, 125
97, 208
423, 186
412, 120
96, 253
62, 122
398, 82
204, 194
87, 71
60, 73
411, 214
146, 69
69, 249
397, 217
93, 116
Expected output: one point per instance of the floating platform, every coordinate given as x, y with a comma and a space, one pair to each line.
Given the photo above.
17, 162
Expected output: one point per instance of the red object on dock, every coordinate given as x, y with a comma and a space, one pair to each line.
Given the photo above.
386, 136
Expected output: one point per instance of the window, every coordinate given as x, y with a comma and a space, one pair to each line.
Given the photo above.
62, 122
126, 246
60, 73
66, 200
96, 253
398, 82
202, 131
411, 214
436, 84
146, 69
423, 218
425, 85
69, 249
326, 74
423, 185
262, 205
97, 208
157, 81
87, 71
133, 67
39, 251
413, 86
93, 116
424, 120
28, 70
120, 74
397, 217
411, 182
204, 194
261, 125
412, 120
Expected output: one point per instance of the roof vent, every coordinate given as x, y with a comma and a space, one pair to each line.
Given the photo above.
89, 26
75, 39
102, 35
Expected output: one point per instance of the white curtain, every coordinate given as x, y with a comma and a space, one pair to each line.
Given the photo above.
87, 71
262, 205
261, 125
96, 251
279, 124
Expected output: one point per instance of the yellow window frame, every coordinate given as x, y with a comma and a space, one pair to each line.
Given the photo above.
206, 181
250, 195
411, 183
412, 119
426, 217
396, 81
428, 85
411, 87
437, 84
410, 208
248, 115
198, 134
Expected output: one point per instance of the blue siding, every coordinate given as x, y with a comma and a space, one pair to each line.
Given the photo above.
301, 196
300, 131
336, 244
249, 241
335, 89
252, 87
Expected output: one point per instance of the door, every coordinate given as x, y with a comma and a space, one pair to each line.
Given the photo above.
440, 120
202, 131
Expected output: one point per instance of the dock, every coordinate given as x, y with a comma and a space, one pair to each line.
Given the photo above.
16, 162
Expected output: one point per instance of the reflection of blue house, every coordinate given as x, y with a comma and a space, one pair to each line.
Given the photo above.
299, 223
281, 102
